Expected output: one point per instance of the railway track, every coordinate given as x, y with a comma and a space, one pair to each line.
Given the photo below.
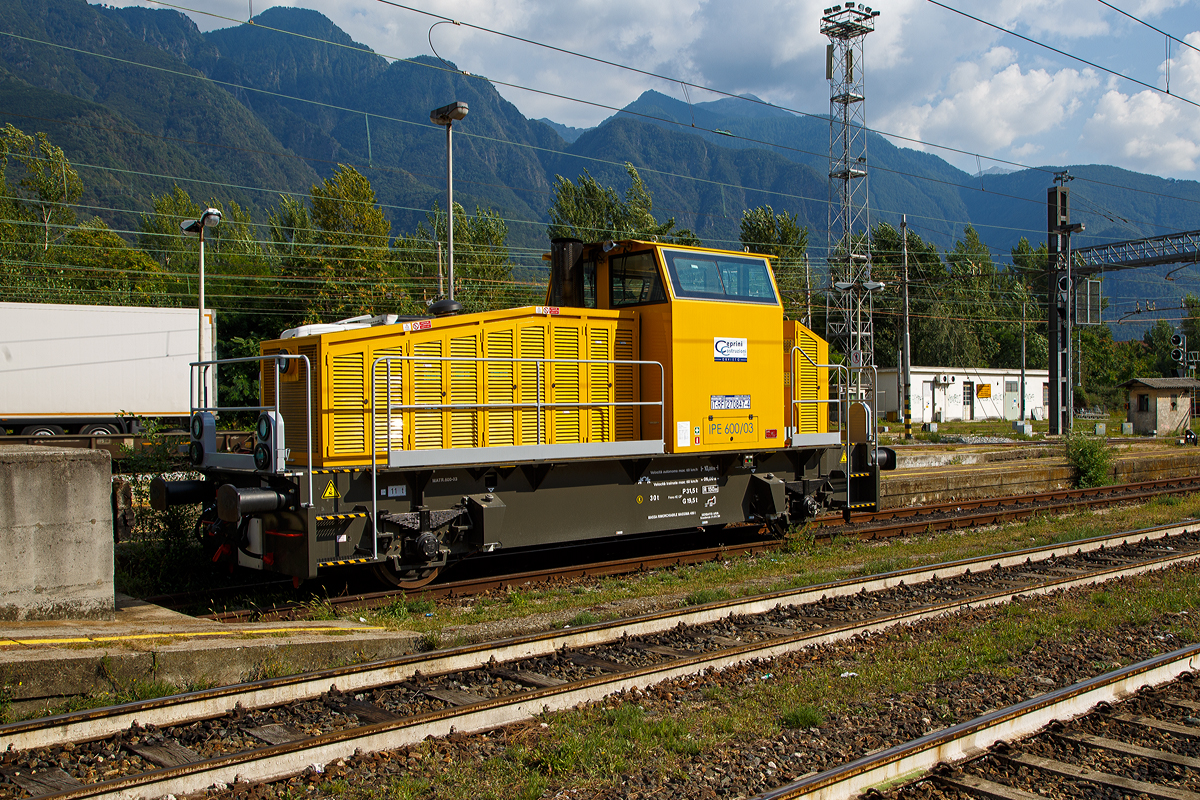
896, 522
276, 728
1101, 754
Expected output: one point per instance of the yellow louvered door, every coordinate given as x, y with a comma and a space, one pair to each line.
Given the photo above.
500, 390
428, 389
806, 379
291, 406
566, 378
389, 374
625, 388
600, 384
348, 406
464, 391
532, 383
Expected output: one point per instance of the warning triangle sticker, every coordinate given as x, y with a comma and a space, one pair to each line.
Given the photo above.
843, 461
331, 492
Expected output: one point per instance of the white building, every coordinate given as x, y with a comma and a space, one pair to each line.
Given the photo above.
940, 394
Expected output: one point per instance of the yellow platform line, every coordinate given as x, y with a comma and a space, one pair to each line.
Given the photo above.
11, 642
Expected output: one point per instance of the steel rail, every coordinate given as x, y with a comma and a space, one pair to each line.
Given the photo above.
972, 738
208, 703
281, 761
909, 521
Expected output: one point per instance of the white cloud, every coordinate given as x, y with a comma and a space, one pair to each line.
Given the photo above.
991, 105
1149, 131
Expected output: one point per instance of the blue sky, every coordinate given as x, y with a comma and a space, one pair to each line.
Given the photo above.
931, 74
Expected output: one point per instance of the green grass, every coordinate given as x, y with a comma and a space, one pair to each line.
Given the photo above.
707, 595
804, 715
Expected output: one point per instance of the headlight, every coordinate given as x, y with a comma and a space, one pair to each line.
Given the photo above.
196, 453
263, 428
262, 456
197, 426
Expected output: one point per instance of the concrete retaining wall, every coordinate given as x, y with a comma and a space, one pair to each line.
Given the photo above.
56, 540
1005, 479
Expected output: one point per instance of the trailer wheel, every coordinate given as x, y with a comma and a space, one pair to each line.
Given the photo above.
406, 579
100, 429
41, 430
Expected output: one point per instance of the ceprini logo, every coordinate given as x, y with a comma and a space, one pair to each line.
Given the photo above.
726, 349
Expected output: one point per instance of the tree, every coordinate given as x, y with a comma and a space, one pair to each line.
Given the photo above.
482, 268
47, 185
106, 270
591, 212
353, 255
1157, 339
161, 236
780, 235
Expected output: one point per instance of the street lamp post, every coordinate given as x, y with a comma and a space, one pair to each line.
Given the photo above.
211, 218
446, 115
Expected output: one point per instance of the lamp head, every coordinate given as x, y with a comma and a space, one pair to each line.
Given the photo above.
448, 114
211, 218
190, 226
843, 286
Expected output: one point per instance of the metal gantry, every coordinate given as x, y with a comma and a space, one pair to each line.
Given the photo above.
1175, 248
849, 323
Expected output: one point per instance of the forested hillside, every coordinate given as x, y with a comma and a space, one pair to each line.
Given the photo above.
331, 178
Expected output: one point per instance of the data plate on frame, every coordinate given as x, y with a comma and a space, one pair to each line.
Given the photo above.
725, 429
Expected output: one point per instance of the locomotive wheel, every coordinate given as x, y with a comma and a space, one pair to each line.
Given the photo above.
405, 579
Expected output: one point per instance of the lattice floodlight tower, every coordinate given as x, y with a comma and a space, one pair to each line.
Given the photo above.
848, 317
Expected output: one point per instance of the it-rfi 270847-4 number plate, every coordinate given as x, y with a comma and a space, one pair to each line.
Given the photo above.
729, 402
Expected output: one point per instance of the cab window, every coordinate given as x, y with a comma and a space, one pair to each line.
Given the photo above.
589, 284
708, 276
635, 280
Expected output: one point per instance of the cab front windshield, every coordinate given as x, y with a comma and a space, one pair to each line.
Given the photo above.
714, 276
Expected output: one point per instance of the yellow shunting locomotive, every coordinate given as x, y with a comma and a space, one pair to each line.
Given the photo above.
660, 388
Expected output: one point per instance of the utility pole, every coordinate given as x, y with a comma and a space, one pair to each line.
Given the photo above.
905, 343
1022, 361
807, 294
441, 275
1059, 293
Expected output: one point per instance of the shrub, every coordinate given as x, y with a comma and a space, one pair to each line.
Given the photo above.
1092, 459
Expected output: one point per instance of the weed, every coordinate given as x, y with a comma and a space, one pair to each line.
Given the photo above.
702, 596
275, 665
803, 716
406, 788
403, 608
583, 618
429, 641
321, 608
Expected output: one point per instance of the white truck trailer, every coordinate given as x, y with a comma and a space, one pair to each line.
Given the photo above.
91, 369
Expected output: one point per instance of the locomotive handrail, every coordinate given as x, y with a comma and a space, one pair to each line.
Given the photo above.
203, 368
844, 409
539, 404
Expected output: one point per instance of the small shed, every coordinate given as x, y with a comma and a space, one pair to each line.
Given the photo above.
1160, 406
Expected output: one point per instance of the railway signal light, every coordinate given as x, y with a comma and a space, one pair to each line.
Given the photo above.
270, 453
204, 437
1179, 349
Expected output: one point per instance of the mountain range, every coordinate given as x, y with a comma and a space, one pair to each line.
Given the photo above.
140, 99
